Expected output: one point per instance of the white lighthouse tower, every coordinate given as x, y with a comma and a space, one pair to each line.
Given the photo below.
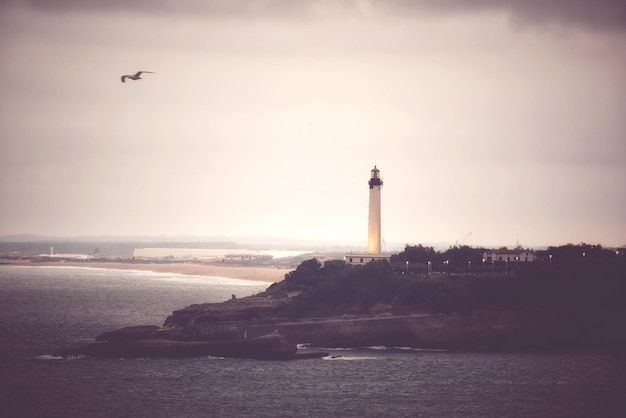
373, 230
373, 227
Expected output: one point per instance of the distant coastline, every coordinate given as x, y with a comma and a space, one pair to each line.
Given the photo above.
232, 271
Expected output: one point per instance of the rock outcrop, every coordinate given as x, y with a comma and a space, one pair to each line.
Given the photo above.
272, 346
498, 329
372, 305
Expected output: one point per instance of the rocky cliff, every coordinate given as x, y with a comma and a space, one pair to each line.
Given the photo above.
496, 329
371, 305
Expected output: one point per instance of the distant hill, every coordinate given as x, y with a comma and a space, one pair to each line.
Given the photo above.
24, 238
193, 241
110, 238
28, 245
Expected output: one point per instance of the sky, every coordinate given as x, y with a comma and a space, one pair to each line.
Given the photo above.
503, 119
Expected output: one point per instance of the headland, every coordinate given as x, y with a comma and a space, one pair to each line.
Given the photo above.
550, 307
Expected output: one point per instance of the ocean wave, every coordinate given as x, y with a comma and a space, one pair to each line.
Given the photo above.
160, 276
350, 358
48, 357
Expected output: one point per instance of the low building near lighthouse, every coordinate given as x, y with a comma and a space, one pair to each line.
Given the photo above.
360, 258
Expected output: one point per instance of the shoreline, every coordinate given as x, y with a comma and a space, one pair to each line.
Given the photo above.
253, 273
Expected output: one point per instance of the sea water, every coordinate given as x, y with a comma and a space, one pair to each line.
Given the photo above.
48, 308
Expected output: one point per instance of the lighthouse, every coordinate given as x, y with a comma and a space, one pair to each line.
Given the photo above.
373, 230
373, 225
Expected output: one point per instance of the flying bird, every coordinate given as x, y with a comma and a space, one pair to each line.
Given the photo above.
136, 76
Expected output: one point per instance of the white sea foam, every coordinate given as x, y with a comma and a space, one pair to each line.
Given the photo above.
385, 348
51, 357
350, 358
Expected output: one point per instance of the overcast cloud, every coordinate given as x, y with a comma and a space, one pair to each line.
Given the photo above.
264, 118
602, 14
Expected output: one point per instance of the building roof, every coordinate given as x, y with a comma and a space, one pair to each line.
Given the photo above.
504, 251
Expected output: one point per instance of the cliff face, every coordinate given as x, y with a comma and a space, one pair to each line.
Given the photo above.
120, 344
224, 321
498, 329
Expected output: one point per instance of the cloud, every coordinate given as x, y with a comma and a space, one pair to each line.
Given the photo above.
210, 8
589, 14
597, 14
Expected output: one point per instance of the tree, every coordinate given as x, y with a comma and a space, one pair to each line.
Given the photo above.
305, 274
461, 258
570, 253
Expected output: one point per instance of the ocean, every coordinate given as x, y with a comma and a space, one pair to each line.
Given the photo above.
48, 308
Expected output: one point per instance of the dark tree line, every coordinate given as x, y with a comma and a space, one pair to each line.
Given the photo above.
590, 286
421, 259
571, 253
337, 289
457, 259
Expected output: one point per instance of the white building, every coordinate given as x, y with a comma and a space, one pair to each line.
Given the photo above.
508, 256
374, 225
212, 254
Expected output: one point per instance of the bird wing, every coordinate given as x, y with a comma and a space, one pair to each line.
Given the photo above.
136, 76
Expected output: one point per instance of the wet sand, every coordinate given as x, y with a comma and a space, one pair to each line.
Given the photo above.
261, 274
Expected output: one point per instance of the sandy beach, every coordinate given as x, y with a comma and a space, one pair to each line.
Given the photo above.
261, 274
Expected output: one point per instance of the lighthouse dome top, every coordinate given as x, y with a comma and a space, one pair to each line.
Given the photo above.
375, 178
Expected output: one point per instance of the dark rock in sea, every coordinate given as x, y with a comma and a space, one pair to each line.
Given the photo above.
272, 346
130, 333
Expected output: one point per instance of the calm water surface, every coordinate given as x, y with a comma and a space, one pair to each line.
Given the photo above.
47, 308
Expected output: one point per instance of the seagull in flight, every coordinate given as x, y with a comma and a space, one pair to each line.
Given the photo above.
136, 76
